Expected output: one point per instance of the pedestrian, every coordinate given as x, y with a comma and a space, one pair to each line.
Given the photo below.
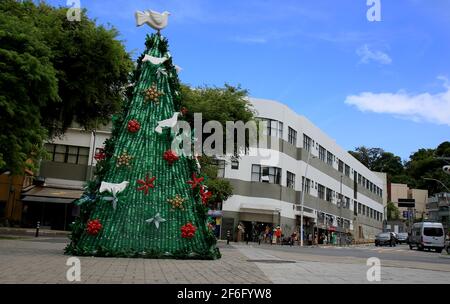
325, 239
246, 238
310, 239
292, 239
260, 237
228, 236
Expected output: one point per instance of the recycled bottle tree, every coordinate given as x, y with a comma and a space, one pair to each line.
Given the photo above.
146, 200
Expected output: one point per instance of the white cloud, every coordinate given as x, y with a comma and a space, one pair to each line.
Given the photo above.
368, 55
433, 108
251, 40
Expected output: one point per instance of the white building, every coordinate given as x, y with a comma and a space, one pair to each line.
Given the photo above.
268, 191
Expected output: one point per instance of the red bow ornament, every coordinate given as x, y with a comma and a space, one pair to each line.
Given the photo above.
133, 126
188, 231
170, 156
94, 227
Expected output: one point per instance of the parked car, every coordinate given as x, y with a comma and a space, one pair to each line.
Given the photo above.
427, 235
402, 237
385, 238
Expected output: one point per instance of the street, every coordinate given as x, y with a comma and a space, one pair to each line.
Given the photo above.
40, 260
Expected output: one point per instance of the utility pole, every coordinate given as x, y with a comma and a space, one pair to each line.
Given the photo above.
340, 214
303, 199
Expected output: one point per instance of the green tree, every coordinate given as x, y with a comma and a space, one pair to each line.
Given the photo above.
54, 72
27, 84
393, 213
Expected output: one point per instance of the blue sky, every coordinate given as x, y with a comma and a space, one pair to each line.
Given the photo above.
379, 84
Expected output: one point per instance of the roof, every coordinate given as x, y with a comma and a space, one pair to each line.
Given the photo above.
51, 195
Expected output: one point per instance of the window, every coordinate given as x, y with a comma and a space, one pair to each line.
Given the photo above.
290, 180
364, 209
220, 163
371, 213
341, 166
347, 170
321, 191
359, 178
292, 136
234, 163
329, 196
322, 153
330, 158
274, 127
355, 208
264, 174
306, 186
68, 154
256, 173
429, 231
306, 142
359, 208
347, 203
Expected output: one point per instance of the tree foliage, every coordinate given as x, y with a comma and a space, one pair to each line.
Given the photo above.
53, 72
393, 213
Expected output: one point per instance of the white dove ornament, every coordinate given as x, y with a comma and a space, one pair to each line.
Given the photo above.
167, 123
155, 20
115, 189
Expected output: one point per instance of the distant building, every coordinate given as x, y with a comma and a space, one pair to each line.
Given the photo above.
438, 209
398, 192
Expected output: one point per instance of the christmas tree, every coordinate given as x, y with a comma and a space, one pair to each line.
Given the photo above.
147, 200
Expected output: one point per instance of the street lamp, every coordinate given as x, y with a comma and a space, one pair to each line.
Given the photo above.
436, 180
303, 197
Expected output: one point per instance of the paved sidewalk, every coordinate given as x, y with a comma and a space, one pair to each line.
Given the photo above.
41, 260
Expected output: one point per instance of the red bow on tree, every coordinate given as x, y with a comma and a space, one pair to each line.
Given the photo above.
100, 155
188, 231
93, 227
146, 184
205, 195
184, 111
170, 156
133, 126
195, 181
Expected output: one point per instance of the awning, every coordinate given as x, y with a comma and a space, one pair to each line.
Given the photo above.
43, 199
42, 194
257, 209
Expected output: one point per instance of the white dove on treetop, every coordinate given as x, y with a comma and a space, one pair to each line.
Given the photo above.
155, 20
167, 123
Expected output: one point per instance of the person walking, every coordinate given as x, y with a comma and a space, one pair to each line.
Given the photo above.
228, 236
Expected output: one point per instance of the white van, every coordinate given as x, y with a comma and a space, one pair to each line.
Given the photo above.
427, 235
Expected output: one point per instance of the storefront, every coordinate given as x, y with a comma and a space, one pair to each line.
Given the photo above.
53, 208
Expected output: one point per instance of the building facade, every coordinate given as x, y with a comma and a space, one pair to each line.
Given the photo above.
438, 209
267, 191
402, 191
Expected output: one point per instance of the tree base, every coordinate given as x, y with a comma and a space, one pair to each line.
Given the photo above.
212, 254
